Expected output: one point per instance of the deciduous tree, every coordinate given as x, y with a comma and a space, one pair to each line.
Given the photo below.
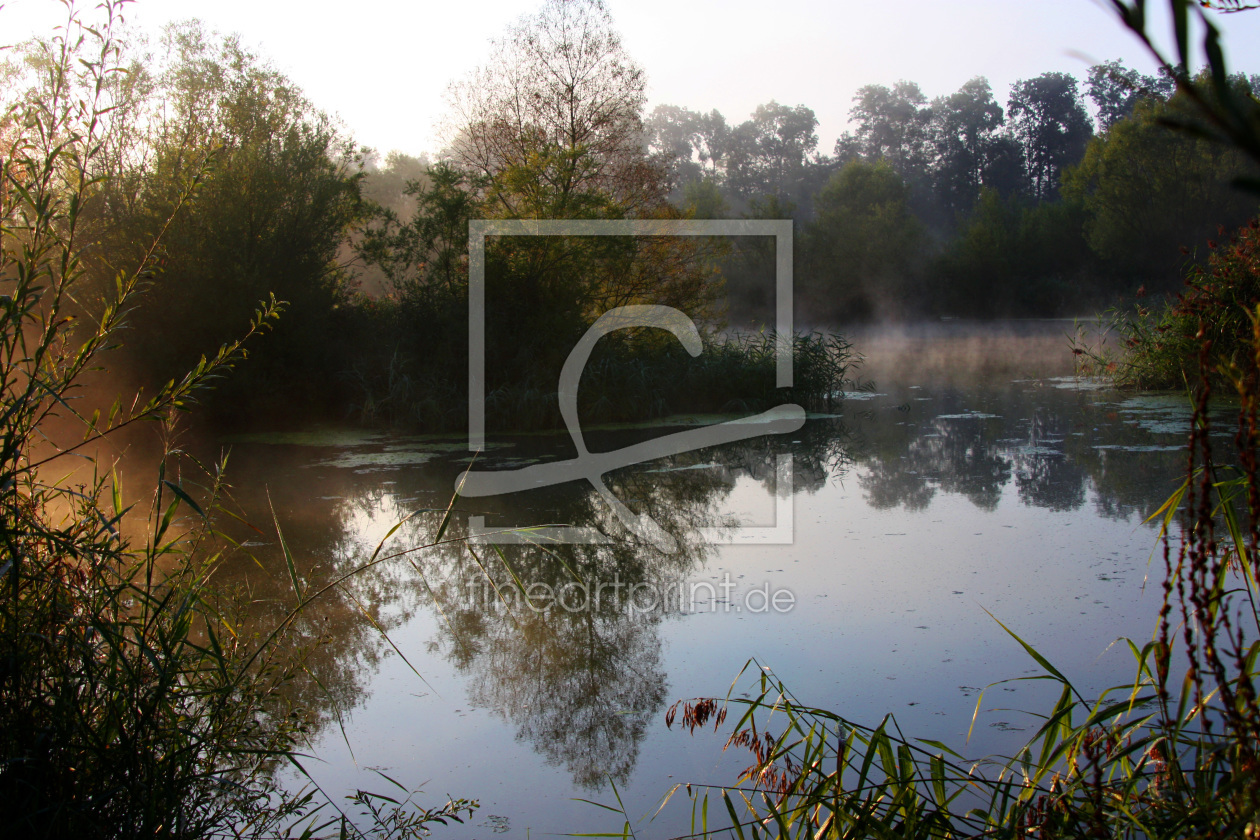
280, 190
892, 125
971, 149
863, 248
1049, 120
1150, 192
554, 121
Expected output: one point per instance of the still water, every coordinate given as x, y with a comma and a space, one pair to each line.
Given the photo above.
978, 476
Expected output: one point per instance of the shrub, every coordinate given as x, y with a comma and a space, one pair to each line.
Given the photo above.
1163, 344
129, 706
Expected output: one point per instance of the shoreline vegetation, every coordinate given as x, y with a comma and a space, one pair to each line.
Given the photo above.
130, 705
156, 208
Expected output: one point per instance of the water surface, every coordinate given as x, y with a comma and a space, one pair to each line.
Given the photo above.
979, 476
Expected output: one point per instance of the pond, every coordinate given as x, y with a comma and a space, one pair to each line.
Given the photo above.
863, 558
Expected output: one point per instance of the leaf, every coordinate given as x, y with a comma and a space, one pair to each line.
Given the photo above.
1037, 657
179, 492
288, 555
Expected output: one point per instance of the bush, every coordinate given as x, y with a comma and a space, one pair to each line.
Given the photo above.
129, 706
1164, 346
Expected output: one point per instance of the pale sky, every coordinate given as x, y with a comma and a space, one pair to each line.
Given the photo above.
383, 66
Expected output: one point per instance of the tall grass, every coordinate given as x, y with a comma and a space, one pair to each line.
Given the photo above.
131, 706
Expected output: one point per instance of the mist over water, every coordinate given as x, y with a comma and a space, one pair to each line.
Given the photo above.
962, 352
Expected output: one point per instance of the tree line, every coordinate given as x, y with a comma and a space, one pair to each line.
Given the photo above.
959, 206
954, 206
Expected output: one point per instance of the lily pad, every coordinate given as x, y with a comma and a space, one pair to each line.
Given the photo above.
377, 460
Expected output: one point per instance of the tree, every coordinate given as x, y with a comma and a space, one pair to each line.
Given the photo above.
1150, 193
426, 255
1049, 120
390, 186
971, 149
863, 247
550, 128
671, 134
1116, 91
711, 140
1014, 257
279, 191
768, 154
554, 121
1221, 111
892, 125
702, 199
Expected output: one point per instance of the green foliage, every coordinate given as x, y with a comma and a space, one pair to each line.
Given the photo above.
702, 199
1222, 111
1150, 193
425, 256
1012, 257
131, 704
1048, 118
1136, 193
864, 248
893, 126
277, 191
630, 378
1163, 345
567, 152
1135, 763
630, 382
973, 151
1116, 90
768, 154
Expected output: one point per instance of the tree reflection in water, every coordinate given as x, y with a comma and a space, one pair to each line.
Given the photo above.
1056, 445
583, 685
580, 680
583, 680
